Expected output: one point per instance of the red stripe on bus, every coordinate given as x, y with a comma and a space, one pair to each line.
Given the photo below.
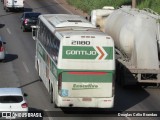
88, 73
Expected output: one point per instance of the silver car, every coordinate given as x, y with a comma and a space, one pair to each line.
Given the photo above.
2, 49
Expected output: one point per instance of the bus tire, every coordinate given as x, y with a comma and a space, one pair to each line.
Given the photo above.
55, 105
51, 94
38, 68
52, 100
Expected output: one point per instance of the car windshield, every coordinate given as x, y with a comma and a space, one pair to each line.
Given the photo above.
11, 99
32, 15
0, 43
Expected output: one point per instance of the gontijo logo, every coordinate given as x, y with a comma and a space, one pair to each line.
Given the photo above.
87, 52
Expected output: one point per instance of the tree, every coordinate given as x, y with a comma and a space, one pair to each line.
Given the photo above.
133, 3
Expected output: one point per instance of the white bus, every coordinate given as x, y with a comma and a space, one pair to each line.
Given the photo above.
75, 61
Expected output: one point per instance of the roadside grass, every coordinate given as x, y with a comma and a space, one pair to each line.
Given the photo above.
152, 4
88, 5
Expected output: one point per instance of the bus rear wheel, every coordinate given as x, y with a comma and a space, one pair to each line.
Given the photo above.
38, 68
52, 97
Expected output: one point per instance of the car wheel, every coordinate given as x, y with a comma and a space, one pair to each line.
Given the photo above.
23, 28
4, 60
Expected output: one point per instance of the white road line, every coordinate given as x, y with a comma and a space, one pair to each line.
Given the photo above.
128, 118
50, 118
64, 7
25, 66
8, 30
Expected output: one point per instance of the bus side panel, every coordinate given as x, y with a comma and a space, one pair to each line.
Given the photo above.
41, 65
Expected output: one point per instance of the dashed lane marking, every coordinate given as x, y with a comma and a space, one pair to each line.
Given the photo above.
8, 30
25, 66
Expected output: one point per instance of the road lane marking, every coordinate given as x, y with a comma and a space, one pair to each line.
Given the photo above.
50, 118
8, 30
25, 66
128, 118
64, 7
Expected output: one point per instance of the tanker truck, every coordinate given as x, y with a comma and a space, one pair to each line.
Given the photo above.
136, 34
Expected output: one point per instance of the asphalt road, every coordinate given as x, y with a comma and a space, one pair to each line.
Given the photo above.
19, 71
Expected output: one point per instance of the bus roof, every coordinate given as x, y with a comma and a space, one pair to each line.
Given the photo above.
82, 33
67, 25
67, 20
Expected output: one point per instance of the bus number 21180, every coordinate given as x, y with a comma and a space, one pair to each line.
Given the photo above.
80, 42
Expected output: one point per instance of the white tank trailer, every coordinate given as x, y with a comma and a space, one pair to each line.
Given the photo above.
136, 34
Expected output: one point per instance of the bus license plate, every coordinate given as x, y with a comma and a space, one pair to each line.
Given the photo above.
86, 99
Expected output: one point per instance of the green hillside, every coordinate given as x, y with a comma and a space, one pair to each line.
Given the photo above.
88, 5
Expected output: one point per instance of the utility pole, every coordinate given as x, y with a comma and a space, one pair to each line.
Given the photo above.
133, 3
